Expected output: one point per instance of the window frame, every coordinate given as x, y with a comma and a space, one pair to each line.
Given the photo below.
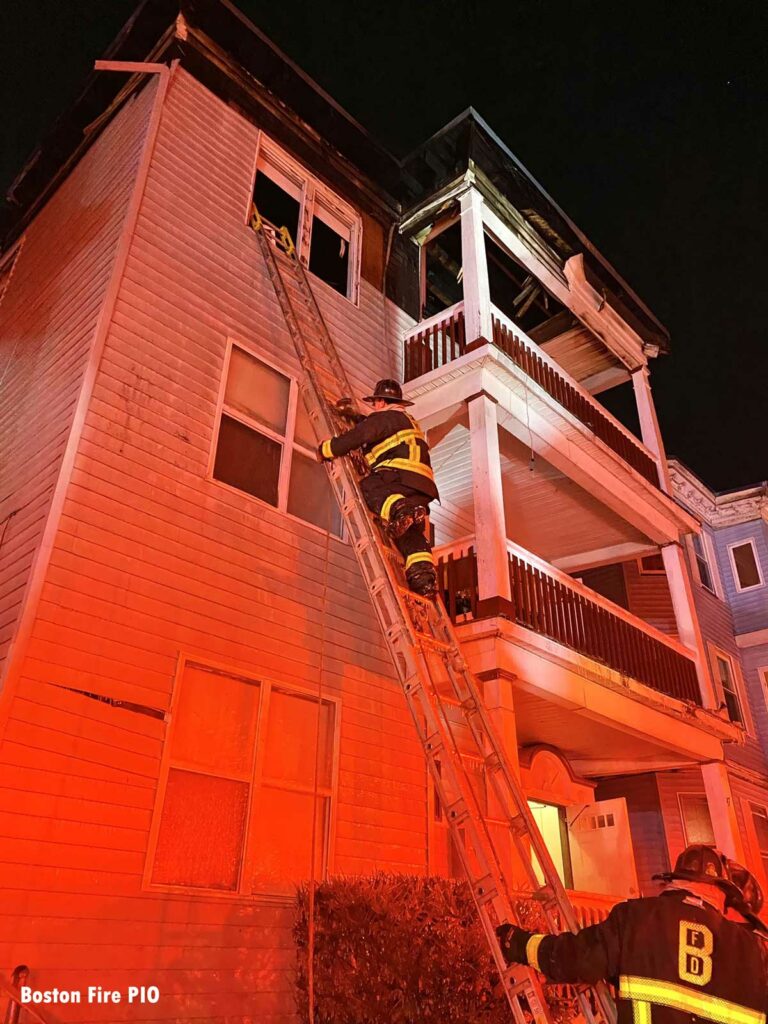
710, 559
740, 544
286, 441
754, 810
738, 684
266, 684
642, 571
312, 191
762, 675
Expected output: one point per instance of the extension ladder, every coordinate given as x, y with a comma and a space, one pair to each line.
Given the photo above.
443, 697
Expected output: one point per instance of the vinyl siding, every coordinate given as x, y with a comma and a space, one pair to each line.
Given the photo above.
750, 607
152, 560
47, 320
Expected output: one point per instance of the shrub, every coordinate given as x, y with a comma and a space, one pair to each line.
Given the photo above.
397, 949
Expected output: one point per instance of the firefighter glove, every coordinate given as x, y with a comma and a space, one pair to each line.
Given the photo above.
513, 941
324, 451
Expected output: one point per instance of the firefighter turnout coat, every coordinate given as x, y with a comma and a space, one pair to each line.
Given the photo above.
674, 959
390, 440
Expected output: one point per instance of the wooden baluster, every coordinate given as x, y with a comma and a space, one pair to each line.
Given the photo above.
443, 328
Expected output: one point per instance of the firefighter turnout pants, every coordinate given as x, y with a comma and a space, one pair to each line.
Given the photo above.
382, 490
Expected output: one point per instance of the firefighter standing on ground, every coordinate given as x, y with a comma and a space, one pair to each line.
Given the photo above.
675, 958
401, 483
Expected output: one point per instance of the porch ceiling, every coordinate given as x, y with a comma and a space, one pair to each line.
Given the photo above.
546, 512
591, 747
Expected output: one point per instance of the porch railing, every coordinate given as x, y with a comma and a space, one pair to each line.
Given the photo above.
552, 604
575, 399
436, 342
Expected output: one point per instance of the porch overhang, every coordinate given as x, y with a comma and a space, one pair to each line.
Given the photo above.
602, 721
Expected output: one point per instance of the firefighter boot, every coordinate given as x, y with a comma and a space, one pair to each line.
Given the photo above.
422, 579
403, 516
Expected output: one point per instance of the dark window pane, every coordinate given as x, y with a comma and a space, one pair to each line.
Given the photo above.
276, 205
329, 255
258, 391
248, 460
310, 496
760, 819
201, 831
652, 563
746, 566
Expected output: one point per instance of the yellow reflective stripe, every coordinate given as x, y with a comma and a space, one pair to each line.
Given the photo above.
386, 508
326, 449
532, 950
393, 441
411, 467
680, 997
641, 1012
419, 556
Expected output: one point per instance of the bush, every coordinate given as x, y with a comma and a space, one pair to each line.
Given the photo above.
397, 949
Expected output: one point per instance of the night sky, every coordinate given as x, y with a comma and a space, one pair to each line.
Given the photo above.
648, 124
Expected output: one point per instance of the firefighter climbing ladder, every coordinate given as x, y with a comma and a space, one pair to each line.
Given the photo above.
444, 699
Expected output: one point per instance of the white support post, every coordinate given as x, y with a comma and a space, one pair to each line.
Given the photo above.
490, 522
688, 629
649, 424
477, 292
673, 555
722, 811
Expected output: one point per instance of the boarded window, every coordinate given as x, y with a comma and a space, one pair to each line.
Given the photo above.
745, 565
728, 688
652, 565
266, 443
247, 799
697, 823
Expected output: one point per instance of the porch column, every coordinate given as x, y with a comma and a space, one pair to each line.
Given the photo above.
500, 704
490, 523
722, 811
649, 424
675, 564
477, 292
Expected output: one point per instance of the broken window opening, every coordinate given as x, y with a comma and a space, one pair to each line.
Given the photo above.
442, 271
516, 292
278, 203
329, 251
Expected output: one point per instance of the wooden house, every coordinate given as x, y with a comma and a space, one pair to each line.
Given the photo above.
198, 708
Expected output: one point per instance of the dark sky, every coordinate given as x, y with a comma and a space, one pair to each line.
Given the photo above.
647, 122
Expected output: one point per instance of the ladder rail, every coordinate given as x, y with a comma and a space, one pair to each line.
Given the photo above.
417, 630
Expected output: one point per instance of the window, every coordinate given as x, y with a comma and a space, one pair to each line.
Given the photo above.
760, 821
697, 822
325, 231
725, 681
651, 565
746, 570
236, 809
702, 562
265, 443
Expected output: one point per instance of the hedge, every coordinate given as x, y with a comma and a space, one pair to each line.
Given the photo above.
400, 949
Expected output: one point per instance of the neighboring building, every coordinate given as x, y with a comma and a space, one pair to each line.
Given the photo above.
729, 562
180, 614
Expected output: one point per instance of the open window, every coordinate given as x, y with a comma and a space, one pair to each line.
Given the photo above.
727, 685
324, 229
240, 807
746, 567
265, 443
